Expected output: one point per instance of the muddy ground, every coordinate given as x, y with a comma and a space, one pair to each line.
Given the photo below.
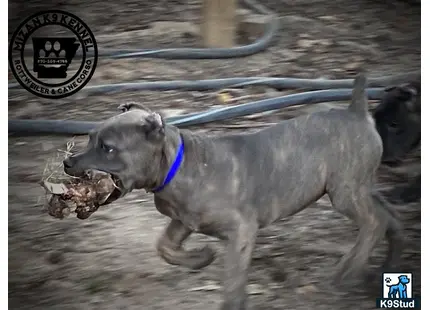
109, 261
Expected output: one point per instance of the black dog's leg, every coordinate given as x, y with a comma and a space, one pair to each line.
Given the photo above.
411, 192
170, 248
240, 244
406, 193
395, 247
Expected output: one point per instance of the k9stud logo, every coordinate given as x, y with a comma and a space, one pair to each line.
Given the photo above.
397, 292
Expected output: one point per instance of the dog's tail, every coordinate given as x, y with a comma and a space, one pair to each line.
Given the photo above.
359, 104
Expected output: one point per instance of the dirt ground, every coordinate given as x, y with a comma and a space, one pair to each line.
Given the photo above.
109, 260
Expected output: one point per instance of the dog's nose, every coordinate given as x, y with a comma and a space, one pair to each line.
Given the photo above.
68, 163
71, 166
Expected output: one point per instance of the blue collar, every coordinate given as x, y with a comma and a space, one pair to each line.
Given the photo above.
174, 168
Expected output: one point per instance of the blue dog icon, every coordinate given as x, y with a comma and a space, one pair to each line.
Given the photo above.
399, 290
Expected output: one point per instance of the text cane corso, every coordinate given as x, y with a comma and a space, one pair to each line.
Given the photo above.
230, 186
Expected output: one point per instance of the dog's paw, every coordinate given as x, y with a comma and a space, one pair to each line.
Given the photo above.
355, 282
238, 304
200, 258
389, 266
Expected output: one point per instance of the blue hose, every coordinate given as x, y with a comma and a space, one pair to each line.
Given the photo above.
61, 127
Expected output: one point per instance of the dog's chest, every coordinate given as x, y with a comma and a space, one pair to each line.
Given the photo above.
179, 210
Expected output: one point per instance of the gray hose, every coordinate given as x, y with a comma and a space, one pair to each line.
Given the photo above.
271, 28
66, 127
215, 84
209, 53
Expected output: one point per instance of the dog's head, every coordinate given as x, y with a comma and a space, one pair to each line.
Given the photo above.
403, 279
128, 146
398, 121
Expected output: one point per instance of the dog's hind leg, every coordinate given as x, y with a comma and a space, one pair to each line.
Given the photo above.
170, 248
393, 233
355, 201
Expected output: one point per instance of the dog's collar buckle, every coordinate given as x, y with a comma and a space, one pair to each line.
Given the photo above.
174, 168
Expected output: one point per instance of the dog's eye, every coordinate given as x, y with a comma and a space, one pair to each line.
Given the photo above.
106, 148
394, 124
396, 128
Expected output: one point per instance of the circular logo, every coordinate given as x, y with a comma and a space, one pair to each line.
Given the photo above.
53, 54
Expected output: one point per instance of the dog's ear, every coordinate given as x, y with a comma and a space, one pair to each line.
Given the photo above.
413, 104
124, 107
154, 126
404, 93
389, 88
399, 90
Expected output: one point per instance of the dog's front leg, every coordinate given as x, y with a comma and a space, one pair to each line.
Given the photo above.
170, 248
240, 244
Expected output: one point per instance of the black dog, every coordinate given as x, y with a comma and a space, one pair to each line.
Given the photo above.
398, 121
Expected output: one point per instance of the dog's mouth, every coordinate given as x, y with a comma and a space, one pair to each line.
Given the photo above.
116, 180
119, 190
391, 161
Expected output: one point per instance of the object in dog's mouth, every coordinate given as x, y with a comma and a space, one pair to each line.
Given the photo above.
81, 195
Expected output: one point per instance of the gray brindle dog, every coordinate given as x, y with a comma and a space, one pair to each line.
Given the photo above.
230, 186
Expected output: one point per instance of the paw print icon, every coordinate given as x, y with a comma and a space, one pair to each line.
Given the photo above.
52, 56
